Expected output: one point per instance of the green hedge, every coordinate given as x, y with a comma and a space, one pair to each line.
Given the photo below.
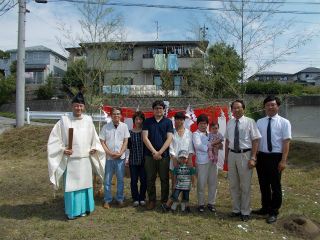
272, 87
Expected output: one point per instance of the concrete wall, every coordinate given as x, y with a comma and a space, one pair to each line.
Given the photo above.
304, 115
303, 112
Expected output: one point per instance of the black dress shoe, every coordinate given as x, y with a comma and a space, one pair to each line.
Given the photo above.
261, 211
233, 214
271, 218
245, 218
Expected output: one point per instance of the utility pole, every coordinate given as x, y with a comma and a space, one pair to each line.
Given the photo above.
203, 30
20, 82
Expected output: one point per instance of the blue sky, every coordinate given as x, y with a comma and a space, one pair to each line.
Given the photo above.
42, 26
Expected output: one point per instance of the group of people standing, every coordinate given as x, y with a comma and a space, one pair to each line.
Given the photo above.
156, 146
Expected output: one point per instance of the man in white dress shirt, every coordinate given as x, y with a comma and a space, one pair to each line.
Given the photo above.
272, 157
242, 137
114, 139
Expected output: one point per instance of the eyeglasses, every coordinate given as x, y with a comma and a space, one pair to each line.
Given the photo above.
158, 108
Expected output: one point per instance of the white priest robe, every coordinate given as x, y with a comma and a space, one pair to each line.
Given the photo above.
79, 165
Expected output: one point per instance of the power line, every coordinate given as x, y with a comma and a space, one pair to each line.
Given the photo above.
7, 9
267, 2
186, 7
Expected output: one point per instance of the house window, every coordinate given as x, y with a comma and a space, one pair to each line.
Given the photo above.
122, 54
26, 56
269, 78
178, 84
158, 83
37, 56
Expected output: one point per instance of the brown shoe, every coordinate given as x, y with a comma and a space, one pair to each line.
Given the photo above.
106, 205
150, 205
121, 204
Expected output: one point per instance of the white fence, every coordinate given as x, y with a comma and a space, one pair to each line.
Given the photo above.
55, 115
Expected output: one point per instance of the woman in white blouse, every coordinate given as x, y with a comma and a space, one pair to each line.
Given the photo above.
182, 140
206, 171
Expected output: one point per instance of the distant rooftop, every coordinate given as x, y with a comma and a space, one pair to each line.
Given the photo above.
39, 48
310, 70
271, 73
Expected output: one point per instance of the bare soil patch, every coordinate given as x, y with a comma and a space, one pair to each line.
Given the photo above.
300, 226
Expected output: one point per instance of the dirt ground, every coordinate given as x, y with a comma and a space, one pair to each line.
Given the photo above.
300, 226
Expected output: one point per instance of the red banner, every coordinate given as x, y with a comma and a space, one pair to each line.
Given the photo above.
212, 112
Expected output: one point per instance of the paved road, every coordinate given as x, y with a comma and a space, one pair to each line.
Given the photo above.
7, 123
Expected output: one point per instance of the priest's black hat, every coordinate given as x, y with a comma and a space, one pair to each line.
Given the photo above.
78, 98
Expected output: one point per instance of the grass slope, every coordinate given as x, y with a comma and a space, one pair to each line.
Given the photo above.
28, 210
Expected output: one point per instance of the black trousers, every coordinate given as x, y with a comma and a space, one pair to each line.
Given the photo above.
270, 181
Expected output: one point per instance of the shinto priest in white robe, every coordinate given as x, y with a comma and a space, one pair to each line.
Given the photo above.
76, 168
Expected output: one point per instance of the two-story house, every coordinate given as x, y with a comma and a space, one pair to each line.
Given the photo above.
308, 76
139, 64
281, 77
40, 61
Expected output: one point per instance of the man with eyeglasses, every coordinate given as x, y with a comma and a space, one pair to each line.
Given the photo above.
242, 137
114, 139
272, 157
157, 135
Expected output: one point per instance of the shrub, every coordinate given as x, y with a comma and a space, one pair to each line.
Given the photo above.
46, 91
7, 89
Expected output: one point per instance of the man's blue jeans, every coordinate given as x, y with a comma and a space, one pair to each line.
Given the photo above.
119, 167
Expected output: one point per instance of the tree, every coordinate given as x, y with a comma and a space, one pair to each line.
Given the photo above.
217, 74
224, 65
4, 54
167, 81
251, 25
13, 67
101, 44
74, 76
7, 88
46, 91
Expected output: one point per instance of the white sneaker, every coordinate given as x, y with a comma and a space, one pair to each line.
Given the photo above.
136, 204
143, 203
174, 206
183, 207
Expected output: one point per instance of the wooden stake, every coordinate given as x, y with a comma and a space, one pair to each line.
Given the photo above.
70, 138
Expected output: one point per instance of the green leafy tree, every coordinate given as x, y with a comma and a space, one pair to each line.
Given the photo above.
217, 75
167, 81
73, 78
4, 54
47, 90
252, 27
224, 66
7, 88
13, 67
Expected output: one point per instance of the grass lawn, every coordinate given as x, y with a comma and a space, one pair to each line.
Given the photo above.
29, 211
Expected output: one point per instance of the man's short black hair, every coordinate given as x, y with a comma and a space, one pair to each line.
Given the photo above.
158, 102
115, 108
202, 118
180, 115
272, 98
239, 101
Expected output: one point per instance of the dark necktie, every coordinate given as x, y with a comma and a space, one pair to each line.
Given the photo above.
269, 136
236, 137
